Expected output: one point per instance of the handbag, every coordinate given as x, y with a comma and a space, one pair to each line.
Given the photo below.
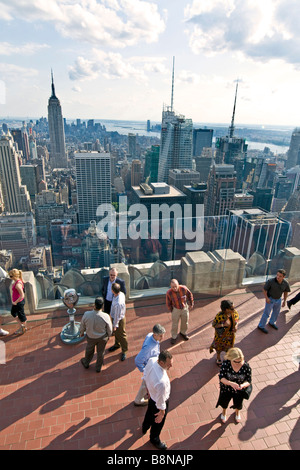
246, 392
220, 331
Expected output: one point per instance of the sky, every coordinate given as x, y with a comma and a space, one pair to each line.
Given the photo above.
112, 59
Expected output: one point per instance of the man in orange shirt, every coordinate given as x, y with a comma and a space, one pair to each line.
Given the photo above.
178, 299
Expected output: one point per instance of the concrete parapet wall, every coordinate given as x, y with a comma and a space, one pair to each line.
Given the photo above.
291, 263
202, 272
31, 294
209, 272
233, 268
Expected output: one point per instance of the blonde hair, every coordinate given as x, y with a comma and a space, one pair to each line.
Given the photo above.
15, 274
234, 353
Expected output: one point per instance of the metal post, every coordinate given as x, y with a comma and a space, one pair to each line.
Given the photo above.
71, 332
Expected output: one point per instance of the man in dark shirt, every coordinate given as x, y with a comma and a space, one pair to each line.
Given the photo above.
273, 290
106, 288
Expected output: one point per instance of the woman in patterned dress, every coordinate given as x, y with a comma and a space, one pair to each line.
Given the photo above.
225, 324
235, 383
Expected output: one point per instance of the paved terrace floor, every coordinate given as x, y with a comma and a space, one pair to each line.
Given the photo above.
49, 401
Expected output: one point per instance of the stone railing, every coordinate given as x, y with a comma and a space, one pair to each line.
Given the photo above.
211, 272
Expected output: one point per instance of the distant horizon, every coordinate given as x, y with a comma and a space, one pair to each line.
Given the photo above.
203, 123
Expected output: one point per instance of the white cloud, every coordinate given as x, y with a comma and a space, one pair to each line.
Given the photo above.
26, 49
108, 22
12, 72
84, 69
188, 78
259, 30
113, 66
150, 64
76, 88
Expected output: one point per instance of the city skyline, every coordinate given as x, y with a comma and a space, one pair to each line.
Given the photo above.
112, 59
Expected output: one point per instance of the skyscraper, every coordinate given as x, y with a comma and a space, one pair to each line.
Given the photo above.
93, 182
21, 138
202, 138
32, 146
204, 163
26, 151
15, 195
293, 155
132, 152
136, 172
220, 190
151, 164
181, 178
58, 155
176, 142
30, 178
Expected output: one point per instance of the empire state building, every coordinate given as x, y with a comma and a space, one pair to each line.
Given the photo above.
58, 155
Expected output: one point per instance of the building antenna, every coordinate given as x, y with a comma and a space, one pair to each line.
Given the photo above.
231, 128
52, 83
172, 95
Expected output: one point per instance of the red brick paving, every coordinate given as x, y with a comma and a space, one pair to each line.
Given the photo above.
49, 401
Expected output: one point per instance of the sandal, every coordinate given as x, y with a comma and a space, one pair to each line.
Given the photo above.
20, 331
238, 418
223, 418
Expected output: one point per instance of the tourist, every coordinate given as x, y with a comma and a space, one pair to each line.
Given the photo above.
293, 301
178, 300
225, 325
98, 327
2, 332
117, 313
273, 290
106, 288
235, 383
18, 300
158, 385
150, 348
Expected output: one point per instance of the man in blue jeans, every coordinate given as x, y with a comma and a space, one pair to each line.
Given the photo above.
273, 290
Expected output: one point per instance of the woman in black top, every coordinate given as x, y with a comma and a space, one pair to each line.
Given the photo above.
235, 383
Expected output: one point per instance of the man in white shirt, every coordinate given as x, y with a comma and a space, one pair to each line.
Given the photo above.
158, 386
117, 313
98, 327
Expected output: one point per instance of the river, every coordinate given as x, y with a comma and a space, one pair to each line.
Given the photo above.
140, 127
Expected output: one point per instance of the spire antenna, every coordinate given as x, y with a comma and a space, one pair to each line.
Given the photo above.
231, 128
172, 95
52, 84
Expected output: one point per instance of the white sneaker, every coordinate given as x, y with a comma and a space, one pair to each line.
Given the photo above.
143, 402
3, 332
238, 418
223, 418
